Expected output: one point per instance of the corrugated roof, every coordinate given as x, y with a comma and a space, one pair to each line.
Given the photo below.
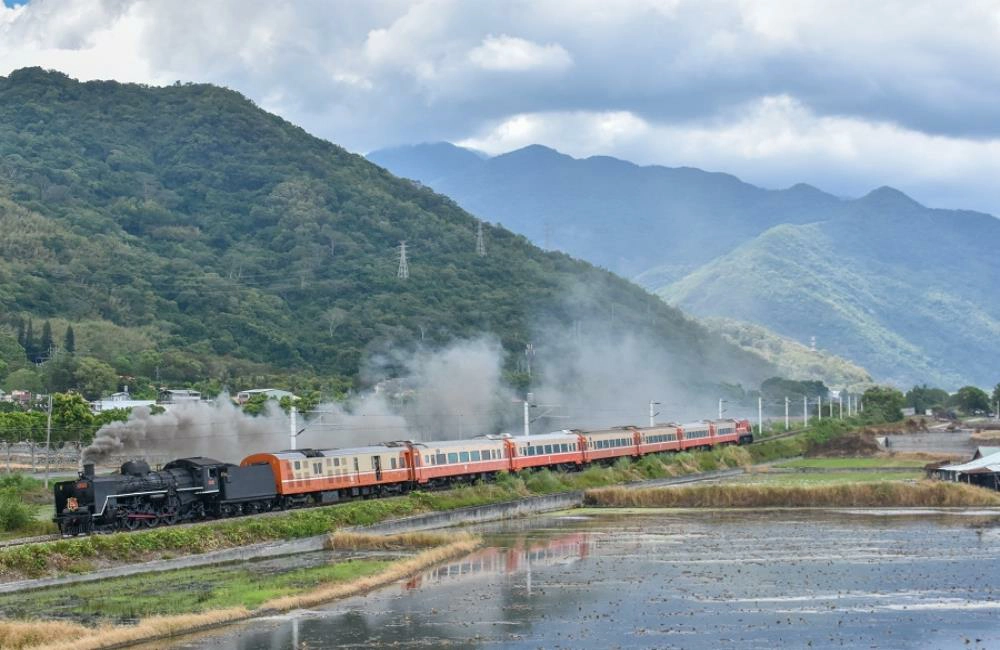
989, 463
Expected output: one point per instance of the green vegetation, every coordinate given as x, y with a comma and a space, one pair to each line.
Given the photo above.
25, 507
178, 592
883, 404
71, 421
793, 359
852, 463
824, 478
189, 237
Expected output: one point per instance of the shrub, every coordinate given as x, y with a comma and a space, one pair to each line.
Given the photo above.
15, 514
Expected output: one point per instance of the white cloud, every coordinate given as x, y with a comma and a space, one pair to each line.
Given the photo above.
516, 54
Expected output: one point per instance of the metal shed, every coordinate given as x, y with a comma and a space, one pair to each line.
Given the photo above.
983, 471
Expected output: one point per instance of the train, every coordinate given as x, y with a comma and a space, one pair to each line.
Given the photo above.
191, 489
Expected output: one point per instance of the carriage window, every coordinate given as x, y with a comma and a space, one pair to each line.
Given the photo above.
463, 456
548, 449
452, 457
392, 463
474, 456
440, 459
298, 465
317, 468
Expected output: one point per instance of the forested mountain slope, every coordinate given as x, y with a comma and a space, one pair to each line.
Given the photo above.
901, 289
234, 241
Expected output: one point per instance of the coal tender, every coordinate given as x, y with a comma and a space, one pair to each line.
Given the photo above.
138, 497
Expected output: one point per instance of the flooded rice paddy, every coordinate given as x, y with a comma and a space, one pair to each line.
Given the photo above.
681, 579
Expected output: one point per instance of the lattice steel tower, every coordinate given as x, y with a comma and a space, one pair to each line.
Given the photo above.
480, 242
404, 269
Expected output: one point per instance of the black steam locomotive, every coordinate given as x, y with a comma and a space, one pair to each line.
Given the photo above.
185, 489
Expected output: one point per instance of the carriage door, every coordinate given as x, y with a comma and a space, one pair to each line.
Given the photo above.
377, 464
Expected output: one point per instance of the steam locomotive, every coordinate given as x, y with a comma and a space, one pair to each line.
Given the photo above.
198, 488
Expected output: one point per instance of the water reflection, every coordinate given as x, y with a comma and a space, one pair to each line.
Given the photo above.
688, 580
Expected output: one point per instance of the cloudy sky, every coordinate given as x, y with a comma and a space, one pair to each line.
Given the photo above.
846, 95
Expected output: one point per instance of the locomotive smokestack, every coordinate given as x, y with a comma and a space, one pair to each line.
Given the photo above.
88, 470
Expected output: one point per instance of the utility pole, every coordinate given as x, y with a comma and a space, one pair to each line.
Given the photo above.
760, 415
720, 407
831, 409
819, 408
404, 268
480, 242
805, 410
48, 440
786, 414
840, 404
652, 415
292, 435
527, 415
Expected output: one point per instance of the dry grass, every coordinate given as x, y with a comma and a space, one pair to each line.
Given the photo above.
864, 495
358, 541
59, 635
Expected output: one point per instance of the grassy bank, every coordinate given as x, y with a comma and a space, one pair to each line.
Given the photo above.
60, 635
866, 495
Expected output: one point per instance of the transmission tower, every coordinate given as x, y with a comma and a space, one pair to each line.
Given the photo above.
480, 242
404, 269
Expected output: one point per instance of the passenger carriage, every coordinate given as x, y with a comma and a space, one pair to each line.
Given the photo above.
447, 460
334, 474
563, 448
662, 438
610, 444
697, 435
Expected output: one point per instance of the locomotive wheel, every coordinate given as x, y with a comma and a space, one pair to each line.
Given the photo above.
131, 523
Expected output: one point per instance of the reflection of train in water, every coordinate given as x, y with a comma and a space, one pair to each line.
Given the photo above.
197, 488
522, 556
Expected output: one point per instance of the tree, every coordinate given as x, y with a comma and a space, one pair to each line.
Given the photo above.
94, 378
24, 379
60, 373
29, 342
883, 404
970, 399
996, 398
11, 354
69, 340
71, 417
46, 345
921, 398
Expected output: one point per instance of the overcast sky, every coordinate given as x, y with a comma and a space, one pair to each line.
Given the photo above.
844, 95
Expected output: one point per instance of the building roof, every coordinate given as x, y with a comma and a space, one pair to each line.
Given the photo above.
987, 464
985, 451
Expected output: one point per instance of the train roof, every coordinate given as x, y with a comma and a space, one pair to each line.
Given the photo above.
463, 442
543, 437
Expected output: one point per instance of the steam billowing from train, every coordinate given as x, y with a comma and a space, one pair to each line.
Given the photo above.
584, 375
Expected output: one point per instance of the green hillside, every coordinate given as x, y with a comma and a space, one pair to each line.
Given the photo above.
186, 231
793, 360
914, 309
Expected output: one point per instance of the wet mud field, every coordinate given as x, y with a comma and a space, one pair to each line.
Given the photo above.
681, 579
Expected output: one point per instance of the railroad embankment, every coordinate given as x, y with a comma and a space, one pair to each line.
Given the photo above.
846, 495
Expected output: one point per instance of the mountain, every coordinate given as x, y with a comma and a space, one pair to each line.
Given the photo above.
896, 287
185, 230
793, 360
618, 215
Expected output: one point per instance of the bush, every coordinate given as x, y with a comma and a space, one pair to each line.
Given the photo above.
15, 514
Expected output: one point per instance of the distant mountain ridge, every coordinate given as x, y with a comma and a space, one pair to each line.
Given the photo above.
902, 289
